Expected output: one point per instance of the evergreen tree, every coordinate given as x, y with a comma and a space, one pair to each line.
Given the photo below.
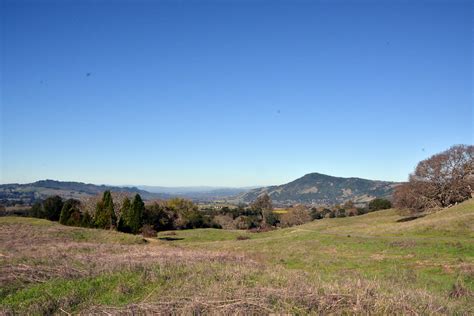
86, 220
37, 210
105, 214
70, 213
122, 224
52, 207
109, 208
134, 221
100, 219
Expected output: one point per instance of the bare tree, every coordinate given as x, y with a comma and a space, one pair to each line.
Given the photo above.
263, 202
439, 181
297, 215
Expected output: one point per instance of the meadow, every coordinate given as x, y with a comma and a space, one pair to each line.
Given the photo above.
381, 262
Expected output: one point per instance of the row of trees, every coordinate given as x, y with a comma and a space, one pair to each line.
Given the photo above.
442, 180
133, 216
261, 215
127, 215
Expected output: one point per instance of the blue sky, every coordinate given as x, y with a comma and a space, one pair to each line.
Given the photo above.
231, 93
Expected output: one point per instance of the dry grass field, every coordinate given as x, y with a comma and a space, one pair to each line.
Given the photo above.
373, 263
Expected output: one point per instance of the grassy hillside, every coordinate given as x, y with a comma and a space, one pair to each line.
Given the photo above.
323, 189
366, 264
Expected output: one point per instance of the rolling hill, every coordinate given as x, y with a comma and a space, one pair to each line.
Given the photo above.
27, 194
30, 192
320, 189
313, 188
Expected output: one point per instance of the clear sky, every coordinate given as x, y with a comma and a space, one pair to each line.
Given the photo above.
231, 93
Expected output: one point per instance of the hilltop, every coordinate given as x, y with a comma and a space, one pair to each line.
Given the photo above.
317, 188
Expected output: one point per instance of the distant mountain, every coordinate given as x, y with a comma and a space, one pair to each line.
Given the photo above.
30, 192
14, 193
320, 189
313, 188
198, 192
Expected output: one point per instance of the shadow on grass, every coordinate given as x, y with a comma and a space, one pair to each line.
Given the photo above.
170, 238
411, 218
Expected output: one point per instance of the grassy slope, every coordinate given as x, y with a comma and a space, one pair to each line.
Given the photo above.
433, 251
369, 263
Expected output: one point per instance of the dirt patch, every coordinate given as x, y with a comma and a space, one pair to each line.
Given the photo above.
378, 257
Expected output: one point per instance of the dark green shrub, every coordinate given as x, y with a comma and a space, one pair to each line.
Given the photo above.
315, 214
270, 218
37, 210
379, 204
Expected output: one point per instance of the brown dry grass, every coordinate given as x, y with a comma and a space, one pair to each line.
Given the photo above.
37, 254
295, 294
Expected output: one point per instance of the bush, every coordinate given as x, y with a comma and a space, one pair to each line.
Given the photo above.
295, 216
361, 211
52, 207
315, 214
187, 214
379, 204
158, 216
246, 222
225, 221
270, 218
37, 210
148, 231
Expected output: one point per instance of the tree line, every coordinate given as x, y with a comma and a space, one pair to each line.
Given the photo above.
133, 216
261, 215
130, 216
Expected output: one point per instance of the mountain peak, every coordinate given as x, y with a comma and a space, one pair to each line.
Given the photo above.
321, 189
